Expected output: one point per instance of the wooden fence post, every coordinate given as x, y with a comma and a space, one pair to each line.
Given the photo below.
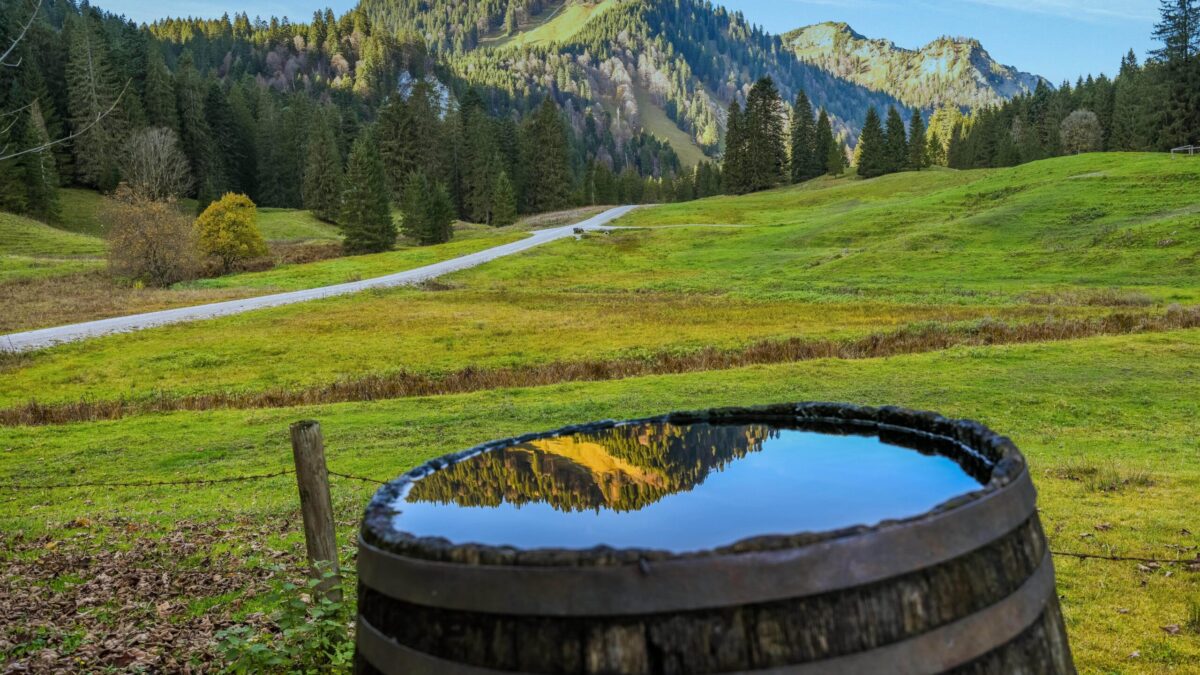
312, 477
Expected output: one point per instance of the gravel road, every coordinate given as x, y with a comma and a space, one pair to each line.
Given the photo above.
46, 337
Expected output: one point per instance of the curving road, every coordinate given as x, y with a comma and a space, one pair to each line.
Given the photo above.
47, 337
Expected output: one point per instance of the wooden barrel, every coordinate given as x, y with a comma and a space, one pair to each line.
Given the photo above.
965, 588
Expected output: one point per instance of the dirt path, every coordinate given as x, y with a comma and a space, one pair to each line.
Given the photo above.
46, 337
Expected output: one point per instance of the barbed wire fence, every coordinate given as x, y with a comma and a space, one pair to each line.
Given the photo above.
16, 486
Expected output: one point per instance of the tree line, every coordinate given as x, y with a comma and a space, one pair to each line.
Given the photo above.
299, 116
1153, 106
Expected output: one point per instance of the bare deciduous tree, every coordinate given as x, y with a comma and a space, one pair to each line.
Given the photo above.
153, 165
150, 241
1081, 133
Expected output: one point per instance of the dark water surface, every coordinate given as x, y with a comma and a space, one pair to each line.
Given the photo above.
676, 488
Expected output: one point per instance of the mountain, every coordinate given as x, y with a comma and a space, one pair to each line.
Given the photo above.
669, 67
948, 71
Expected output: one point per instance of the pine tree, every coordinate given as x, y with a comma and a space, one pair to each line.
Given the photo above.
805, 163
918, 158
160, 90
504, 201
872, 148
896, 142
195, 136
323, 172
1179, 32
41, 173
93, 92
480, 159
426, 210
546, 160
827, 147
510, 18
767, 157
1129, 123
733, 168
366, 217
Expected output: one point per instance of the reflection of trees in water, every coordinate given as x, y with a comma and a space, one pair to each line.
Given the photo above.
626, 467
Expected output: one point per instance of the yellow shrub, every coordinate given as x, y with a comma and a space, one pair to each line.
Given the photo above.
228, 231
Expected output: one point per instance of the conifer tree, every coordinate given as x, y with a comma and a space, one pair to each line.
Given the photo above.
504, 201
872, 149
546, 160
827, 147
1129, 117
767, 156
426, 210
733, 168
93, 91
1179, 32
323, 172
366, 217
195, 136
805, 163
160, 90
896, 142
918, 157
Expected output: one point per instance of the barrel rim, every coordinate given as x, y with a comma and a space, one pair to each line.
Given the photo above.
1007, 464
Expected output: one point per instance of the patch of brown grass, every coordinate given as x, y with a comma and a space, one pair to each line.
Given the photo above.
27, 304
401, 384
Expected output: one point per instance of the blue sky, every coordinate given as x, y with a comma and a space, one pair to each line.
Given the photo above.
1059, 39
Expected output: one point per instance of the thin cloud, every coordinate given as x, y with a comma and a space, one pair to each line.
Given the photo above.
1116, 10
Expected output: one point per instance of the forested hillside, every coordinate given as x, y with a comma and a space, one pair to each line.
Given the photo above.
691, 58
945, 72
272, 109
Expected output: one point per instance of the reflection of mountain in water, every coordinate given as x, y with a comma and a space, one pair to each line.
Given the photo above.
621, 468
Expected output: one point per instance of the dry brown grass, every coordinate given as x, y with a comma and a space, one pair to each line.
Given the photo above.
559, 218
38, 303
401, 384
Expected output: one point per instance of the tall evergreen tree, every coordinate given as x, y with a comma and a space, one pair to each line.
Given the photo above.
195, 136
323, 172
426, 210
873, 158
733, 168
93, 91
504, 201
918, 157
1129, 117
896, 142
160, 90
805, 163
366, 217
546, 160
827, 146
764, 123
1179, 32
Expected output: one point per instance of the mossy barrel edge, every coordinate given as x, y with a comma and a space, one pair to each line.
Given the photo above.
967, 587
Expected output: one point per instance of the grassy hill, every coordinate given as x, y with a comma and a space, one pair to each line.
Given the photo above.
558, 22
30, 249
1032, 299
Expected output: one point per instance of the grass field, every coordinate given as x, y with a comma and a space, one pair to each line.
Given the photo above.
655, 121
1108, 422
33, 250
558, 22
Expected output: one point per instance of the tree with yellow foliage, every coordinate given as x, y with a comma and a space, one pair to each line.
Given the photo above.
228, 231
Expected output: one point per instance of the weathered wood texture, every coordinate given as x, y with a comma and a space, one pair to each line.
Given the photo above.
950, 613
316, 506
752, 637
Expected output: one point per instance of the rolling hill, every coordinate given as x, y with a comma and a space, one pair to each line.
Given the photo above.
948, 71
672, 68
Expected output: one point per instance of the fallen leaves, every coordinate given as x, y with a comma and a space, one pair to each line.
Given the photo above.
120, 596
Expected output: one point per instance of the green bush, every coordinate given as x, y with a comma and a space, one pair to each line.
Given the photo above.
311, 634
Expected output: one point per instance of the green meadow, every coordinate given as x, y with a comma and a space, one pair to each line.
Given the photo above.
1109, 423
